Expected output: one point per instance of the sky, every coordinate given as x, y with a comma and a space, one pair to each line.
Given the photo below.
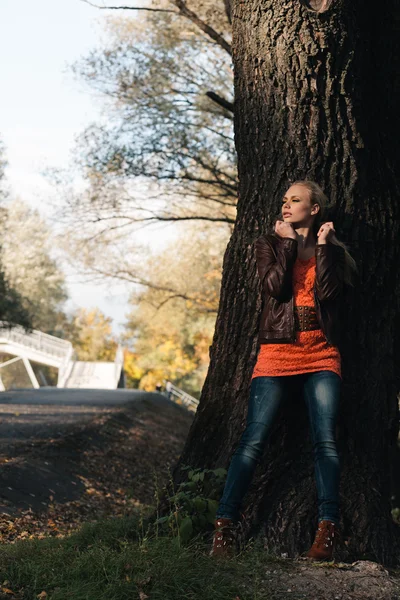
43, 108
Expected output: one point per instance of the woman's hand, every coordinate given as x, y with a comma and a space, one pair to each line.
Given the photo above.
285, 230
326, 233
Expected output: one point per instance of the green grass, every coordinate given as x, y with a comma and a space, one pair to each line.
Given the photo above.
115, 560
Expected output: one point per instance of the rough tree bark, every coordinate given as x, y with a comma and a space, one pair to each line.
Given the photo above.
316, 95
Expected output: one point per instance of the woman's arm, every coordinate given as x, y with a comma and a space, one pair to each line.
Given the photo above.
276, 272
329, 271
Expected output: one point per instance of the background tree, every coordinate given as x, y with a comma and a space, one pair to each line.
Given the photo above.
316, 95
13, 309
26, 255
3, 164
133, 374
162, 126
90, 333
171, 324
213, 19
164, 151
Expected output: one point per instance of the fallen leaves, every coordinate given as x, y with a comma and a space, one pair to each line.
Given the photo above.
117, 467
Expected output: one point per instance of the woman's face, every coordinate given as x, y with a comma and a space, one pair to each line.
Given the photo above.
297, 207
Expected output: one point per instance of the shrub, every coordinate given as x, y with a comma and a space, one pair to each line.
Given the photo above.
193, 505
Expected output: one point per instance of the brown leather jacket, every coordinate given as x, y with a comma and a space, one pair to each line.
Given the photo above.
275, 260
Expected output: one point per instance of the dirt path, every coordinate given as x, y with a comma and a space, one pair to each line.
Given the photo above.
63, 465
361, 580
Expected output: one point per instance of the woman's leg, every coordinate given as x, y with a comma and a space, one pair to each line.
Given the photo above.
266, 395
322, 396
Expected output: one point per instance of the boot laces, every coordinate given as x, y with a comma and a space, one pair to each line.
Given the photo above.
226, 535
324, 536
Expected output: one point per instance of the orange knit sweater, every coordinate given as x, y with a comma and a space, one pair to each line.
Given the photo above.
310, 352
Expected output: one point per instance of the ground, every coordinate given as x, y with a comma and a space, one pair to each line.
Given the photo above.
62, 465
66, 464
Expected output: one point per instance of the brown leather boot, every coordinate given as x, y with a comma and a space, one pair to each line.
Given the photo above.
225, 541
325, 542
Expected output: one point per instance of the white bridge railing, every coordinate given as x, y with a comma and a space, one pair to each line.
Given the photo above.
44, 349
180, 397
36, 340
33, 346
95, 375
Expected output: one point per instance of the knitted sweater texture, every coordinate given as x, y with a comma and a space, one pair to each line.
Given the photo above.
310, 352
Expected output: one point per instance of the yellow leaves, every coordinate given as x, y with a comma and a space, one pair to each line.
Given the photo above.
173, 359
204, 300
149, 381
131, 366
92, 335
142, 583
42, 595
202, 348
172, 324
6, 590
24, 534
170, 362
213, 274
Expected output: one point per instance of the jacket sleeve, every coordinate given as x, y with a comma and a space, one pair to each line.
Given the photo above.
329, 271
276, 272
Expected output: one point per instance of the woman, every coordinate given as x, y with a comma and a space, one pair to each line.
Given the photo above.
302, 268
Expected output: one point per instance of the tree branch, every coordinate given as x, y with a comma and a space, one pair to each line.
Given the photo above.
185, 12
220, 101
130, 8
228, 10
214, 35
128, 276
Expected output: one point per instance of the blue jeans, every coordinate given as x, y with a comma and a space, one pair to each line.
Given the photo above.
322, 395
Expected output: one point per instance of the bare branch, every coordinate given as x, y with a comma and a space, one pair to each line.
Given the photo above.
191, 218
185, 12
220, 101
128, 276
130, 8
228, 10
214, 35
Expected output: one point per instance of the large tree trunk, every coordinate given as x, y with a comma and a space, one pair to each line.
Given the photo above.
316, 96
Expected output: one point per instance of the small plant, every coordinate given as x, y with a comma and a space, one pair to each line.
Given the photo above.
194, 504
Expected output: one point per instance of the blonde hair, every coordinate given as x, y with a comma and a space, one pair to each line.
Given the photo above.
317, 196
